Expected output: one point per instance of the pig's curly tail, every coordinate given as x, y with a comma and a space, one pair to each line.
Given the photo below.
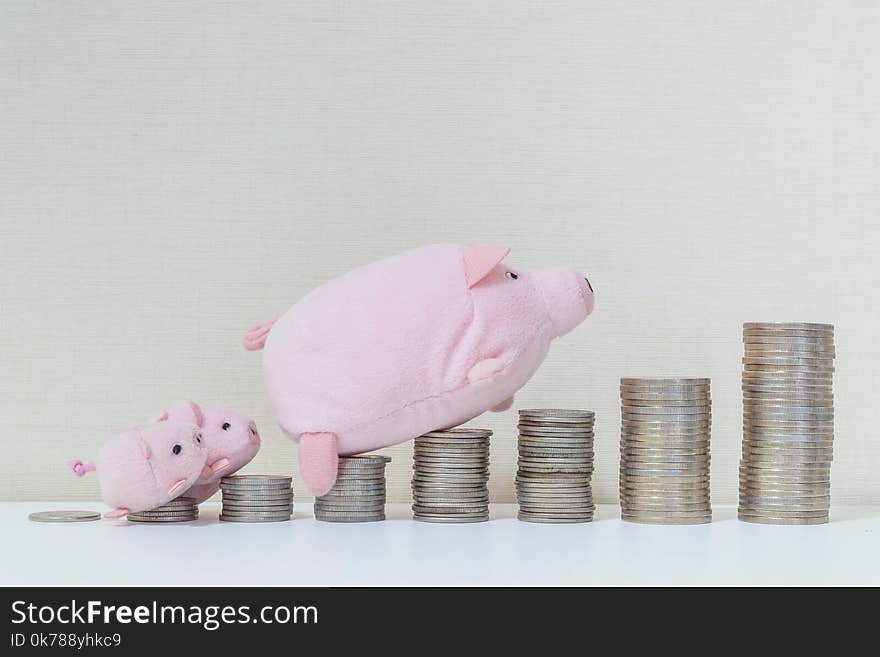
81, 469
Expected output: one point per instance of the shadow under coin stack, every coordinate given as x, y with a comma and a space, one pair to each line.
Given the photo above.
181, 509
664, 451
788, 423
451, 476
555, 466
256, 498
359, 492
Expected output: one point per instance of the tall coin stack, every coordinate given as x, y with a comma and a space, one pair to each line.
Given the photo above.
451, 476
555, 465
181, 509
256, 498
788, 423
664, 451
359, 492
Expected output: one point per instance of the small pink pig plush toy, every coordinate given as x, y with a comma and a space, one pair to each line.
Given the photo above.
424, 340
147, 466
230, 440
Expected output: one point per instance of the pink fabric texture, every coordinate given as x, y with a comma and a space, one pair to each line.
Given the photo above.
146, 466
256, 337
318, 461
230, 440
426, 339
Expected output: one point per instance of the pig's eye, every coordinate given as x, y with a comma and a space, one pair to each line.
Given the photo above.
176, 450
511, 275
226, 426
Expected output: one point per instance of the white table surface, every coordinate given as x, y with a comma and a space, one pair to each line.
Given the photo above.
400, 551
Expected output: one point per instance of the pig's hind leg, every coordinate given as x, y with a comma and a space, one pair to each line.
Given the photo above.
318, 460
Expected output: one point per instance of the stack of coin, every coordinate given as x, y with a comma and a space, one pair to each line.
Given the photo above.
555, 465
256, 498
359, 492
451, 476
664, 451
788, 423
180, 509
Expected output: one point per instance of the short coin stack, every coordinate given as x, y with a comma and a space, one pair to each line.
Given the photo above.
788, 423
256, 498
664, 451
181, 509
359, 492
555, 465
451, 476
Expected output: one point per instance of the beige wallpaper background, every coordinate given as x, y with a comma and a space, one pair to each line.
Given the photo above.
171, 172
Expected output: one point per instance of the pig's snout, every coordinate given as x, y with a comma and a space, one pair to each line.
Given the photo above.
568, 295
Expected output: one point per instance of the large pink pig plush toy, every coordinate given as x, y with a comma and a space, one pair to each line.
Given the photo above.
144, 467
230, 440
424, 340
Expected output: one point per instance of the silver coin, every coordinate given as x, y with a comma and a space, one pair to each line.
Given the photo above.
664, 488
131, 518
782, 458
551, 498
794, 340
283, 513
789, 326
669, 510
365, 458
755, 503
551, 433
557, 414
439, 483
354, 518
450, 463
785, 513
257, 480
331, 496
695, 513
353, 510
257, 507
664, 381
452, 443
450, 519
439, 478
553, 490
663, 498
228, 518
251, 494
644, 519
575, 426
461, 433
64, 516
524, 517
476, 515
770, 520
675, 445
165, 514
466, 452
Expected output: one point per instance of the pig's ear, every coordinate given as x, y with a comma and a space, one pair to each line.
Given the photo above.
480, 260
184, 412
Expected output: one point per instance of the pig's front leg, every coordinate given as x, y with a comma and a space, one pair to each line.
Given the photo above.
484, 372
318, 460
